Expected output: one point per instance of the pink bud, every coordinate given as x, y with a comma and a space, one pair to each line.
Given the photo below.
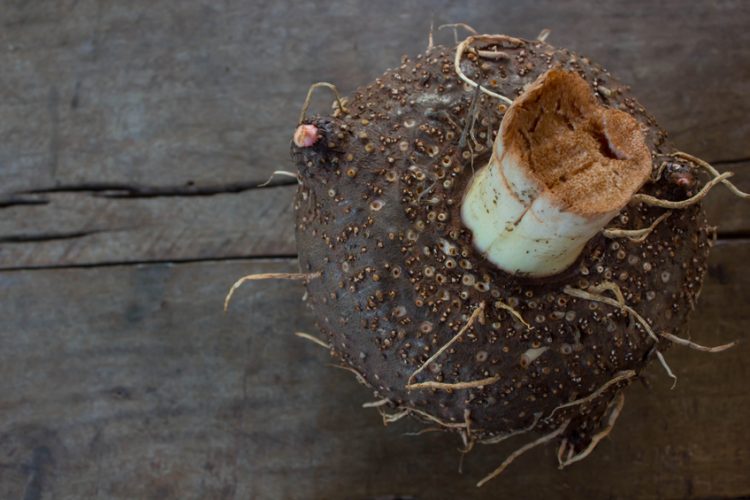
305, 136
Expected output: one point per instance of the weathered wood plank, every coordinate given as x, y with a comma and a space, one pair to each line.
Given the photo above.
89, 228
94, 227
725, 210
206, 94
129, 382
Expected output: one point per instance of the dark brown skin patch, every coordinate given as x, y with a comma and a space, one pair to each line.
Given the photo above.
378, 214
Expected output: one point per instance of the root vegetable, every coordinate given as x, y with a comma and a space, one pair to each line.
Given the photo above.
472, 232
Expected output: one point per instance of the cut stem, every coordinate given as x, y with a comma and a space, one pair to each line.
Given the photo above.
562, 166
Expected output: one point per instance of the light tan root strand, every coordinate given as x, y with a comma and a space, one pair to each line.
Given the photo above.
658, 202
582, 294
542, 440
697, 347
313, 339
614, 409
495, 55
405, 410
376, 404
424, 431
713, 171
619, 377
455, 27
503, 437
268, 276
542, 36
451, 425
612, 287
502, 305
457, 65
466, 437
389, 418
635, 235
479, 310
314, 86
359, 376
283, 173
442, 386
663, 362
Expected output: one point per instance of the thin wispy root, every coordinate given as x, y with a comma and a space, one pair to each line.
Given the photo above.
405, 410
389, 418
313, 339
314, 86
455, 27
697, 347
479, 310
542, 36
704, 164
516, 314
635, 235
503, 437
433, 418
582, 294
619, 377
268, 276
663, 362
658, 202
283, 173
614, 409
424, 431
359, 376
462, 47
376, 404
442, 386
542, 440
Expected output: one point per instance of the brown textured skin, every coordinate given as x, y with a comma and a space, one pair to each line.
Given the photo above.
378, 216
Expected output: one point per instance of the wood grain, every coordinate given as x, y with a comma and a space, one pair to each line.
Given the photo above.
106, 227
129, 382
96, 228
132, 136
206, 94
180, 112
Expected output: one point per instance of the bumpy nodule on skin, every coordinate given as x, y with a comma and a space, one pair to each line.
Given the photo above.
377, 213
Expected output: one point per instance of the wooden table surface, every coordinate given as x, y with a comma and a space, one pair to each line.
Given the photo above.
132, 138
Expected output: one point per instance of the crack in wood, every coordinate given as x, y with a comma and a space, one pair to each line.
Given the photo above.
114, 190
42, 237
90, 265
8, 203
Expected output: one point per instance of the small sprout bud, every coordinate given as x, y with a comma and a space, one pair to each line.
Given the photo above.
306, 135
